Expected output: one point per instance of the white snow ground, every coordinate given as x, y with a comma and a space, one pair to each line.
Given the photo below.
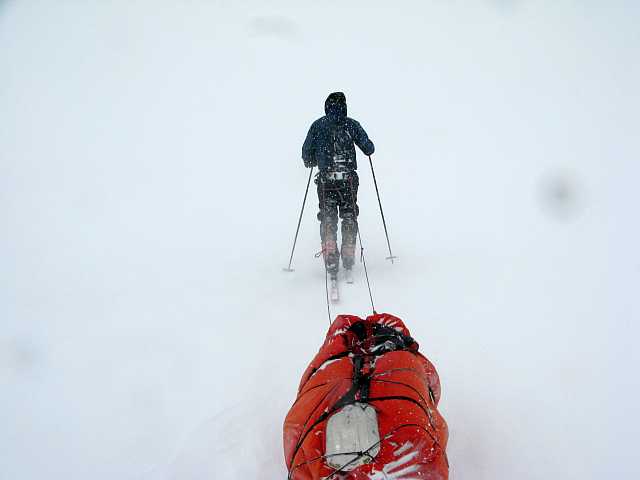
150, 184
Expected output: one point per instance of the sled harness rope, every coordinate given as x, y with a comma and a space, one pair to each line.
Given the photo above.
362, 259
323, 251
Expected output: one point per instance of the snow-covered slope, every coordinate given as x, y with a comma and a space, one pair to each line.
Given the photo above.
150, 184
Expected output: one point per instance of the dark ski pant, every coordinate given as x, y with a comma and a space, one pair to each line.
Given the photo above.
338, 198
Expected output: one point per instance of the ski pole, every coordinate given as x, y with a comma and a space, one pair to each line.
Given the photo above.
384, 223
295, 240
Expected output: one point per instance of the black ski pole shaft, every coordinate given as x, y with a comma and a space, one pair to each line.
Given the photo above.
384, 222
295, 239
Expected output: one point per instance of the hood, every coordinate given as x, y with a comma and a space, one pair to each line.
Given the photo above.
336, 107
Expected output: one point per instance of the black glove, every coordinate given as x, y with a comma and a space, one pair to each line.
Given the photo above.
309, 163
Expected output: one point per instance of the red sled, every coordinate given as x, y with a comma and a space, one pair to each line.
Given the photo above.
367, 408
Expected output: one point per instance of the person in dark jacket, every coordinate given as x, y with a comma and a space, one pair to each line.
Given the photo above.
330, 146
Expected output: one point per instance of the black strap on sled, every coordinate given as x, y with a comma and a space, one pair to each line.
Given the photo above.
386, 339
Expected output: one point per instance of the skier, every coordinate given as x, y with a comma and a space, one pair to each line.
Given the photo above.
330, 146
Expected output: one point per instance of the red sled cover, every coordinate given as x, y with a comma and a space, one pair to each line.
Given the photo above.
367, 408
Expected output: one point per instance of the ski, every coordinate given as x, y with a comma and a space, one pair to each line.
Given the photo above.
334, 293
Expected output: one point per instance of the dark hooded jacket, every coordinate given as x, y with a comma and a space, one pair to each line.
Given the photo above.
331, 138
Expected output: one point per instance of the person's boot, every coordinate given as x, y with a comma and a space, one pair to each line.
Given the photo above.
348, 259
348, 275
328, 235
331, 257
348, 248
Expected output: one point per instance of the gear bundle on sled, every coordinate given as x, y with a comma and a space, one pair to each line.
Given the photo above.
366, 408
